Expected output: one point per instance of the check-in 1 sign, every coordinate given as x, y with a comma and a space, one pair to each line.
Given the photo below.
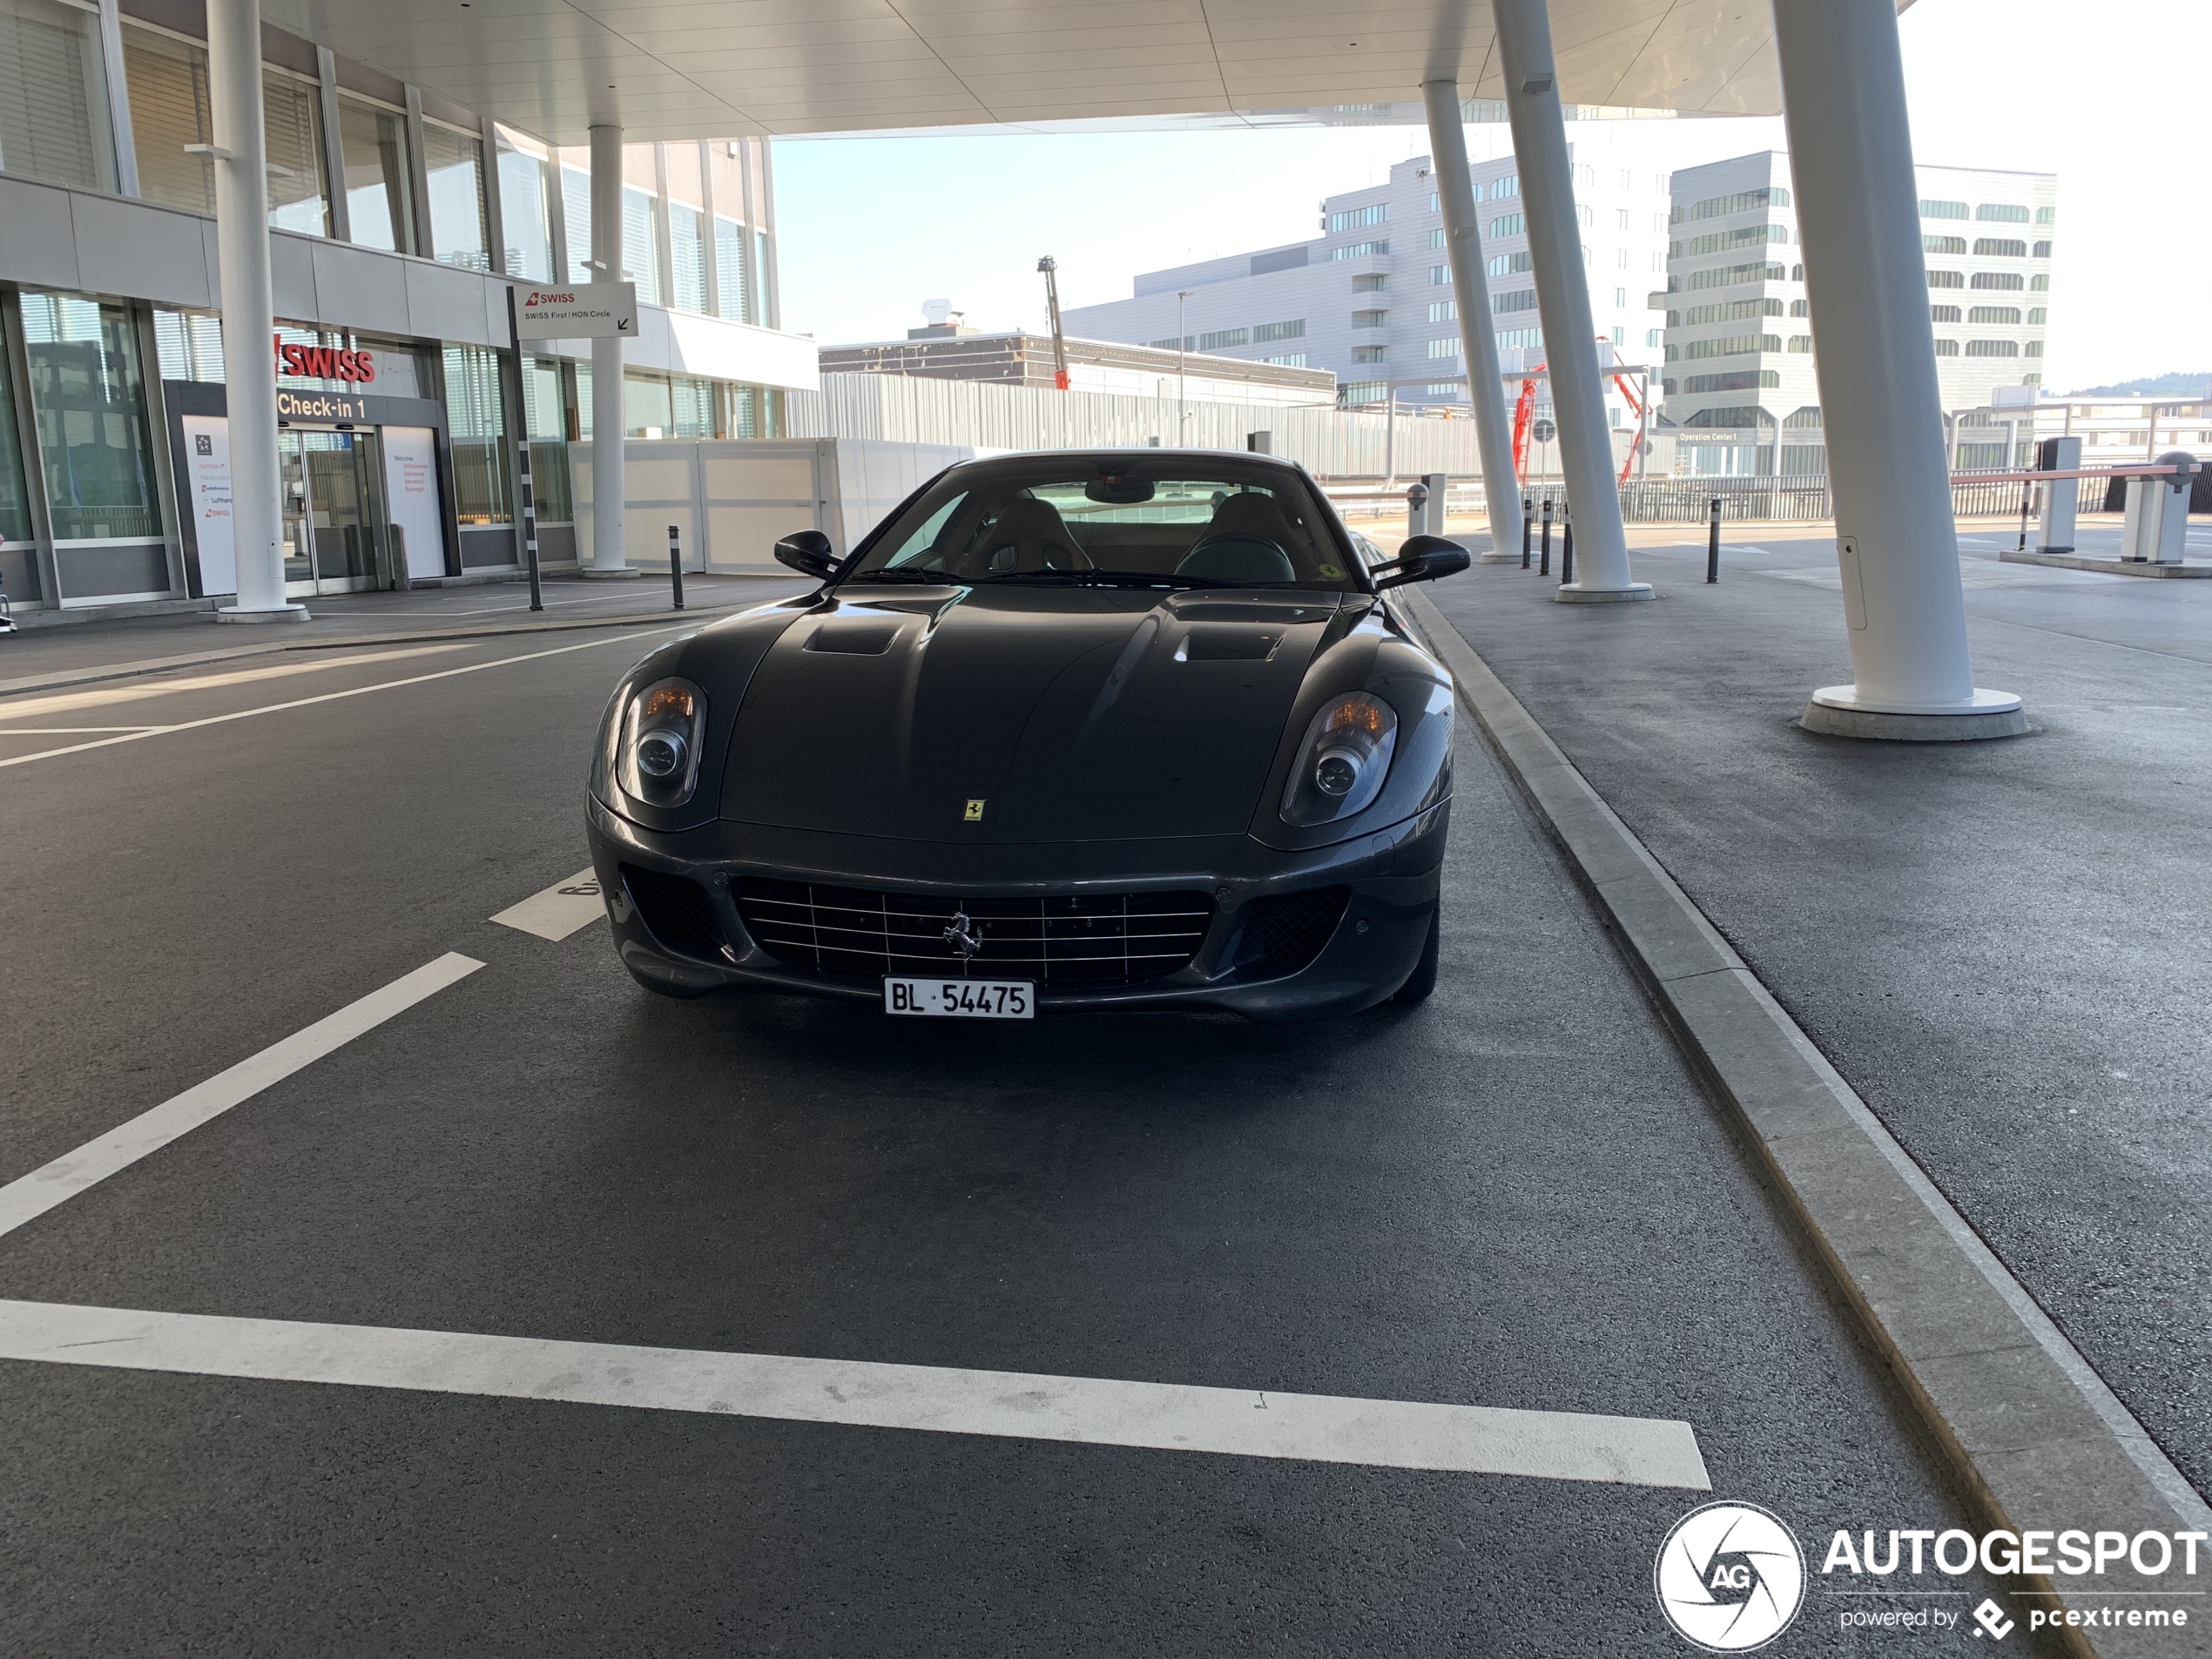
578, 313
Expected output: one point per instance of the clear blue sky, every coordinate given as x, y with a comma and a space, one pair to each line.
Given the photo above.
2111, 99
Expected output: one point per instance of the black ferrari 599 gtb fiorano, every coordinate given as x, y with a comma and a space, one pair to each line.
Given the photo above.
1082, 729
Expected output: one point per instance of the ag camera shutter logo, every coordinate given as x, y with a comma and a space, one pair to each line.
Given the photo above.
1730, 1577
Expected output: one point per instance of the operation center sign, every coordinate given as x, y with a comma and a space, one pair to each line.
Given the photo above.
577, 312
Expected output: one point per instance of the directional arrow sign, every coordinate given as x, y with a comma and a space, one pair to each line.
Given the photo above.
577, 312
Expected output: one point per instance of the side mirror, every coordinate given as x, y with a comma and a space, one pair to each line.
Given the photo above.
1423, 558
809, 553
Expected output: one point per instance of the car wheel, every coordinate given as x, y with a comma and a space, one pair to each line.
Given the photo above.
1422, 980
662, 987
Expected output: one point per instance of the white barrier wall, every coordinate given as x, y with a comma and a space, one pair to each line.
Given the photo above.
1332, 443
732, 500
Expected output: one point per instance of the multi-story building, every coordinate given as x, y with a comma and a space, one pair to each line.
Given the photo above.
398, 219
1739, 384
1371, 298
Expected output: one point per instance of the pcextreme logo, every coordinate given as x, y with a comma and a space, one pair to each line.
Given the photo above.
1730, 1577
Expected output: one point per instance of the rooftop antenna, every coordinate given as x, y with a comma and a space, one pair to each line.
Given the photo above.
1050, 267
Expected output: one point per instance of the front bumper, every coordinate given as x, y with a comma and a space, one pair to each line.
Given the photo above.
1391, 874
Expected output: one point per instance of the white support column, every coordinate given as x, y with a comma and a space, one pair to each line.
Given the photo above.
249, 309
1563, 303
609, 484
1850, 150
1448, 149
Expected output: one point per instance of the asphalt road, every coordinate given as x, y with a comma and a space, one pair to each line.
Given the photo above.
1514, 1196
2001, 945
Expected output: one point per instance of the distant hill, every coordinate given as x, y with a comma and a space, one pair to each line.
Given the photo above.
2175, 385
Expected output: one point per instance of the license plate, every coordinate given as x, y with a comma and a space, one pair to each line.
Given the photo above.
963, 999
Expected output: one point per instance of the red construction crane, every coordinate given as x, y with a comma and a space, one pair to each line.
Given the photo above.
1050, 267
1525, 406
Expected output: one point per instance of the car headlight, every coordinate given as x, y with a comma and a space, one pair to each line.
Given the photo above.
1342, 764
656, 739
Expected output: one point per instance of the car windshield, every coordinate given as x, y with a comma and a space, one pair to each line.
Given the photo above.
1168, 519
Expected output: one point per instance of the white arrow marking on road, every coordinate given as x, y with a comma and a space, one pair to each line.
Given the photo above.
558, 911
1166, 1416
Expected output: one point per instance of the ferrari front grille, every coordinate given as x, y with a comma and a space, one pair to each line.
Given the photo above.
1076, 939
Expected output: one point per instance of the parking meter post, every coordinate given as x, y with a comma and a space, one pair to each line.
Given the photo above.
1416, 500
1713, 541
529, 526
1527, 524
676, 566
1544, 563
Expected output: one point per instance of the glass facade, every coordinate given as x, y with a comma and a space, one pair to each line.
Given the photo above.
454, 164
15, 499
188, 345
687, 259
89, 413
545, 416
525, 216
685, 406
53, 95
169, 110
292, 114
641, 242
379, 197
576, 212
476, 416
734, 269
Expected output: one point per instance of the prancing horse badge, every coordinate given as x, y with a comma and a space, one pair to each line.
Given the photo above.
975, 813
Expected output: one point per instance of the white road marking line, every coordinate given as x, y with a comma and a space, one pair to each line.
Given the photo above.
558, 911
333, 697
102, 697
70, 730
1167, 1417
29, 1196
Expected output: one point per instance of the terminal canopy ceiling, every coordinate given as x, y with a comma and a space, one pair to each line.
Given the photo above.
710, 69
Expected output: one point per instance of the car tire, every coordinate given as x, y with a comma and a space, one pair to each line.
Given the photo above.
661, 988
1422, 980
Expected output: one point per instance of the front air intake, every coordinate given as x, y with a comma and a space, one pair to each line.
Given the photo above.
1284, 932
676, 911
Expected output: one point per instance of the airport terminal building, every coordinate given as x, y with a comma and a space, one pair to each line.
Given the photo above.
397, 218
1371, 297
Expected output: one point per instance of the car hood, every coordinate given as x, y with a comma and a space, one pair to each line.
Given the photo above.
1022, 714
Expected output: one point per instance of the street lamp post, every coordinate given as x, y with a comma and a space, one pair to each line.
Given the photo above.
1182, 353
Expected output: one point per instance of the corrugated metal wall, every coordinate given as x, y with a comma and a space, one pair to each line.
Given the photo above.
1333, 443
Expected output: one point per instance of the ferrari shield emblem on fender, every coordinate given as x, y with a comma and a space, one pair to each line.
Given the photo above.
975, 813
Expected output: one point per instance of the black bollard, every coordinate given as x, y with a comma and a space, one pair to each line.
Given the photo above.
1527, 522
1544, 568
529, 528
1567, 551
676, 566
1713, 541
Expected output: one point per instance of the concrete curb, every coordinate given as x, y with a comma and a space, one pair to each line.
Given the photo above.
62, 678
2035, 1437
2109, 566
